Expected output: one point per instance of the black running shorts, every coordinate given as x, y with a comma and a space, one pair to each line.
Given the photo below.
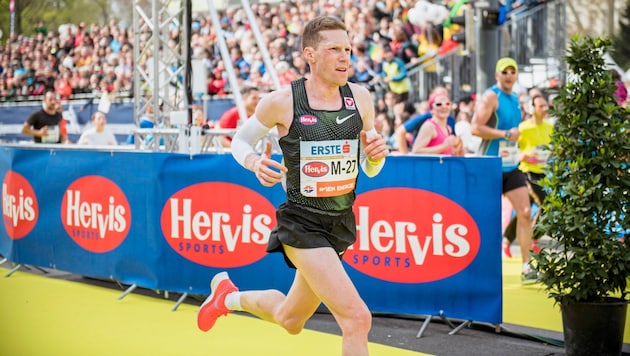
302, 228
536, 188
513, 179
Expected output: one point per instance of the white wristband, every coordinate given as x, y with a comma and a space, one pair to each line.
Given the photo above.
246, 137
369, 167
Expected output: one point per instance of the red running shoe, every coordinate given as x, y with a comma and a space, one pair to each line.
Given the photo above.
505, 245
214, 306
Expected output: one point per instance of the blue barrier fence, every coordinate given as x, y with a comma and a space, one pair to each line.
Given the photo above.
78, 112
428, 228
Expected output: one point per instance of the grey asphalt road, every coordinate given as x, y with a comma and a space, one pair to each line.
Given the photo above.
473, 339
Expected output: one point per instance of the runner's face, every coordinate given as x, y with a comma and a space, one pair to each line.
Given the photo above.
507, 77
331, 58
540, 107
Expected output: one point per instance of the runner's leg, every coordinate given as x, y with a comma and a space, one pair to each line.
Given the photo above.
324, 273
290, 311
519, 198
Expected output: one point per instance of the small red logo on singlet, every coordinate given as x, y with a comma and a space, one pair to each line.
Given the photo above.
349, 102
308, 120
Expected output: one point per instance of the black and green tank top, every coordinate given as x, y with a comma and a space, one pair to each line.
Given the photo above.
321, 152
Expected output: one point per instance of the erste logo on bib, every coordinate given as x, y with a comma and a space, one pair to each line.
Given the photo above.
218, 224
423, 237
19, 205
96, 214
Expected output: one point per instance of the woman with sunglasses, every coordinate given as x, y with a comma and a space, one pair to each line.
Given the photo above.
436, 136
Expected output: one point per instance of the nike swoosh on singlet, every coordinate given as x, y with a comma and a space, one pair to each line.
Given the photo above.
341, 121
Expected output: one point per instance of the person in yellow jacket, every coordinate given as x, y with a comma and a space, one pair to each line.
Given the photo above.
535, 136
532, 143
394, 74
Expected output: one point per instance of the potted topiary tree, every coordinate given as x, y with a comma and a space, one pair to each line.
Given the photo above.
587, 211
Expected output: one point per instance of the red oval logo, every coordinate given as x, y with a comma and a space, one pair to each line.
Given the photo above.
218, 224
308, 120
423, 237
96, 214
315, 169
20, 210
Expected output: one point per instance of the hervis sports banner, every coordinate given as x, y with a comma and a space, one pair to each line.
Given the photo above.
428, 227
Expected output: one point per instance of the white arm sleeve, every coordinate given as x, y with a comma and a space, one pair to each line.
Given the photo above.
370, 168
246, 137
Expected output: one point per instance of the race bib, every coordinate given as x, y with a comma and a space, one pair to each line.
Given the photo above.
53, 135
508, 151
328, 168
541, 154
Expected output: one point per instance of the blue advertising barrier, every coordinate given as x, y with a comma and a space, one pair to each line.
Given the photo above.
428, 228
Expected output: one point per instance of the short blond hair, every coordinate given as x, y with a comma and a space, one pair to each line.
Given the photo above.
311, 36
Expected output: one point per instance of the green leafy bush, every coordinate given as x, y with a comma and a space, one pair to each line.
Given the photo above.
587, 211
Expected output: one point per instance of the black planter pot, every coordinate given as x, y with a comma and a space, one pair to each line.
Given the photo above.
594, 328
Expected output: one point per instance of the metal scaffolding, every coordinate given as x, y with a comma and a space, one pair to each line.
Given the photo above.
163, 71
161, 76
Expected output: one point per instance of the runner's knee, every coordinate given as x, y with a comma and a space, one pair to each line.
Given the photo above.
291, 323
524, 213
359, 320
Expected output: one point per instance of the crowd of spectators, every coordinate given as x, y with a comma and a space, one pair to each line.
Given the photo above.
79, 59
74, 59
94, 59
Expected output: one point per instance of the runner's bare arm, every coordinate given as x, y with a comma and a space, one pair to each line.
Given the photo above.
268, 171
484, 109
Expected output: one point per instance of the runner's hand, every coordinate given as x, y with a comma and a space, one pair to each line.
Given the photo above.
268, 171
375, 147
